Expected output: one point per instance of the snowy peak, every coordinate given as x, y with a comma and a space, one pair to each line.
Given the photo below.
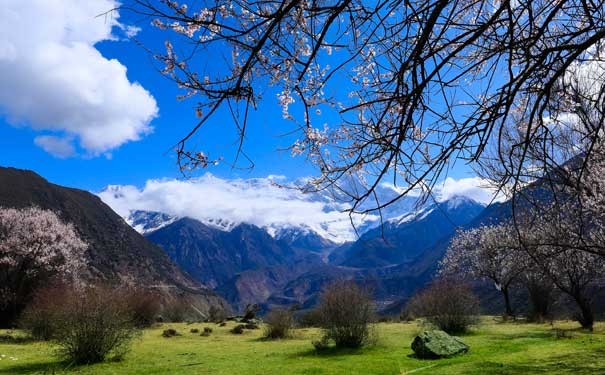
146, 222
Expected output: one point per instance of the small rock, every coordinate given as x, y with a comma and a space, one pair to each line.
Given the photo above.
437, 344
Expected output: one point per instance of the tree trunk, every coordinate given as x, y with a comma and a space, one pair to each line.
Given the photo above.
586, 316
507, 306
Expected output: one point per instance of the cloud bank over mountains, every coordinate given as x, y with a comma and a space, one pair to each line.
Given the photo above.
265, 203
55, 81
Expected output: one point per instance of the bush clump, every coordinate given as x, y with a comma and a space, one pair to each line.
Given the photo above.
346, 312
217, 314
170, 332
144, 305
251, 311
309, 318
90, 324
279, 324
448, 304
37, 318
238, 329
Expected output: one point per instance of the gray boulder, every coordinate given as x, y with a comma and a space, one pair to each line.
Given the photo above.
437, 344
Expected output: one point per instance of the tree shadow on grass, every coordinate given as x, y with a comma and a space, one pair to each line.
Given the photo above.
57, 367
331, 352
10, 339
576, 364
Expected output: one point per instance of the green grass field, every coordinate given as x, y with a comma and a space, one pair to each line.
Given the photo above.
496, 348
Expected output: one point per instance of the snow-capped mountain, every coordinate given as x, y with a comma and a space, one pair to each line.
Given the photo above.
148, 221
269, 203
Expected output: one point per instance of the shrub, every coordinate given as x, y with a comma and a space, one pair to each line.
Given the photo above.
178, 310
90, 324
309, 318
217, 314
251, 311
448, 304
207, 330
346, 312
279, 324
143, 304
194, 330
322, 344
222, 324
170, 332
37, 317
238, 329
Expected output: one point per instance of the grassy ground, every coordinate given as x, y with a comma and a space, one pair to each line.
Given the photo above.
496, 348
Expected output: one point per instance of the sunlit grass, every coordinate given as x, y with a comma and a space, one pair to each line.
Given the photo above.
496, 348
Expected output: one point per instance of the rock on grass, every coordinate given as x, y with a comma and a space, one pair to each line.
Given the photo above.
437, 344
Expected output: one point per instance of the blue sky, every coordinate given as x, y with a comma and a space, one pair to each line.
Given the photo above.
132, 162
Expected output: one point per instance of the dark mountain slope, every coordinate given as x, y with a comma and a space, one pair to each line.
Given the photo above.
116, 251
214, 256
403, 240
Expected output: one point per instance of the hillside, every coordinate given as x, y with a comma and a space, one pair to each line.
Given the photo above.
116, 253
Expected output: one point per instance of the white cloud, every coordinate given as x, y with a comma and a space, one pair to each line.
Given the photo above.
260, 202
475, 188
256, 201
54, 79
56, 146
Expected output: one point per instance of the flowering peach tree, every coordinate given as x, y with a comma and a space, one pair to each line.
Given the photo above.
35, 245
490, 252
384, 89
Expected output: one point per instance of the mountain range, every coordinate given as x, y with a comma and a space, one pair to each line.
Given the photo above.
246, 264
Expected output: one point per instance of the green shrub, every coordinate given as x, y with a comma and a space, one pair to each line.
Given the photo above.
278, 324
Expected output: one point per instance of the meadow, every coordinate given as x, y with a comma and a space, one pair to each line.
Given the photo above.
496, 348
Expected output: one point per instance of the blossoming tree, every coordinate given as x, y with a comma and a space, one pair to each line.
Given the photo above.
490, 252
35, 245
413, 85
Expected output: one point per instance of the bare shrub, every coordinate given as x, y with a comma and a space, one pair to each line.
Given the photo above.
90, 324
448, 304
178, 310
144, 306
217, 314
309, 318
279, 324
170, 332
37, 318
346, 312
251, 311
